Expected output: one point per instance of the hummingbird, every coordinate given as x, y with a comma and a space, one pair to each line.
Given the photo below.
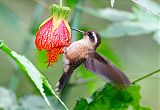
84, 52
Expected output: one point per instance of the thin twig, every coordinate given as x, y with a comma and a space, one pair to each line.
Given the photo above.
143, 77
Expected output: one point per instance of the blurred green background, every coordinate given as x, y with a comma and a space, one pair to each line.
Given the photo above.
131, 40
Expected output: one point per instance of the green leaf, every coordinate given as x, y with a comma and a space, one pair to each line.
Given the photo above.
38, 79
129, 29
125, 23
112, 2
143, 16
109, 14
81, 104
149, 5
112, 98
32, 72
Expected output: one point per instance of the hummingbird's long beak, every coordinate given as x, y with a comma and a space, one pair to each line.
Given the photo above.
78, 30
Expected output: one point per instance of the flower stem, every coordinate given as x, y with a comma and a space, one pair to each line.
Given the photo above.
143, 77
61, 3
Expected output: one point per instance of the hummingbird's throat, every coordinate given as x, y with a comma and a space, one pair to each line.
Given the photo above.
87, 42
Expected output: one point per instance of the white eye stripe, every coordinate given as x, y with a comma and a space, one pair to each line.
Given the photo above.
95, 38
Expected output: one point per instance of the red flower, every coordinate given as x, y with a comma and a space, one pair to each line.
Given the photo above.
54, 34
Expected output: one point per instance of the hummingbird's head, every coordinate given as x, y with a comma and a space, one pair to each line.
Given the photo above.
92, 36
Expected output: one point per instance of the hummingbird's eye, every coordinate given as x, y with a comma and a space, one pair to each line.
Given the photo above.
90, 34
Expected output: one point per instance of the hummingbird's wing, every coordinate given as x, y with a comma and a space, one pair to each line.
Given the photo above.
68, 70
97, 64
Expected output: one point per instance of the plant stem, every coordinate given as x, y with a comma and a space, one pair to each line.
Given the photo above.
61, 3
143, 77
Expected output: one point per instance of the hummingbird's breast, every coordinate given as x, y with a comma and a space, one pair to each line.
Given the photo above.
78, 50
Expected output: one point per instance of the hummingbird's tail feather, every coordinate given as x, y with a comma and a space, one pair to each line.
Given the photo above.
63, 81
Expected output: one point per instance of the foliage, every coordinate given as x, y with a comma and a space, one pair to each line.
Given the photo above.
112, 98
142, 19
38, 79
9, 101
133, 23
149, 5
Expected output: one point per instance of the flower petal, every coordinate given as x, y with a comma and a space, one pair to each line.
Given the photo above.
43, 36
62, 35
52, 55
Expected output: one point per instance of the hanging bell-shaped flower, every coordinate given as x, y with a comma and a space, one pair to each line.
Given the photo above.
54, 34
